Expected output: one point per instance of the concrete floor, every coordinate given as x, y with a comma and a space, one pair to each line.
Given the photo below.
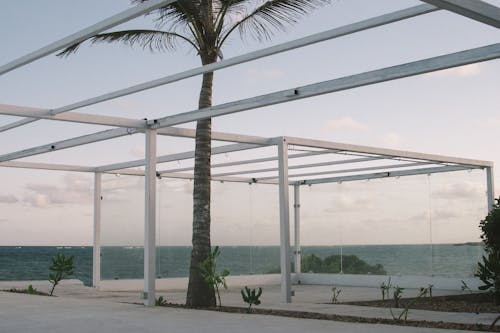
82, 309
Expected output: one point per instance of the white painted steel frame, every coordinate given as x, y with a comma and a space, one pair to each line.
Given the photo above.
300, 166
122, 17
401, 173
309, 40
478, 11
96, 253
428, 65
252, 161
479, 54
296, 220
286, 284
150, 220
390, 153
379, 167
490, 188
475, 9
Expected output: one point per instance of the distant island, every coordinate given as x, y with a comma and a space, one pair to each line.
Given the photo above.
351, 264
469, 244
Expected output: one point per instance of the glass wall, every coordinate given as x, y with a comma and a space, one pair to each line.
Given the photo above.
415, 225
122, 227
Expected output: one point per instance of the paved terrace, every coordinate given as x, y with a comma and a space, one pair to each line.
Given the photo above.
82, 309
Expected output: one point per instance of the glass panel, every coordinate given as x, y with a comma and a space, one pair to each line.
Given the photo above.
122, 227
458, 202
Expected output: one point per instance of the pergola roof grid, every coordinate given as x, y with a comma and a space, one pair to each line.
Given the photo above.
477, 10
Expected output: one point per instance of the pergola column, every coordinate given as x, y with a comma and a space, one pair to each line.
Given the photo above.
490, 185
296, 219
286, 291
96, 254
150, 219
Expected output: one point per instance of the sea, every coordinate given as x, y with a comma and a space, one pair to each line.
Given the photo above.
126, 262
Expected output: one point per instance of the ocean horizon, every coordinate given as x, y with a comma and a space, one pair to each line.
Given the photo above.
126, 262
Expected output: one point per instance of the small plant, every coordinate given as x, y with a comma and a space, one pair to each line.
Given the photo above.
335, 294
385, 289
161, 301
398, 293
465, 287
408, 305
209, 273
251, 297
62, 268
489, 273
427, 291
31, 290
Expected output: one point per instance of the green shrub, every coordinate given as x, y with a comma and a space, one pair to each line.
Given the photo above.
209, 273
62, 268
251, 297
488, 270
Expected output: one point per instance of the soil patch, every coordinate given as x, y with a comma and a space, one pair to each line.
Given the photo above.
26, 291
344, 318
473, 303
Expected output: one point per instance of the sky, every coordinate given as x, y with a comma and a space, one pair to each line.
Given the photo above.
453, 112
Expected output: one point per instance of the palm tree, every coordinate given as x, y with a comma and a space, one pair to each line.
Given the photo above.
205, 25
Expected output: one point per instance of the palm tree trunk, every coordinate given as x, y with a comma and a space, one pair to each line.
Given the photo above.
199, 292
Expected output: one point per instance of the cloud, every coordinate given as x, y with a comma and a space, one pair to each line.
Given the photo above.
346, 124
392, 139
444, 214
465, 190
462, 71
9, 198
138, 150
76, 189
344, 203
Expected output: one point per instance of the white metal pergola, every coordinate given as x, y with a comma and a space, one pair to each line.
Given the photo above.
376, 162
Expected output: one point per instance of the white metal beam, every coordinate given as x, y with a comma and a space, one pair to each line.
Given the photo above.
76, 117
413, 172
490, 188
349, 82
46, 166
126, 15
329, 172
96, 248
393, 153
474, 9
216, 136
64, 144
150, 220
119, 132
178, 175
296, 229
286, 285
300, 166
252, 161
177, 156
305, 41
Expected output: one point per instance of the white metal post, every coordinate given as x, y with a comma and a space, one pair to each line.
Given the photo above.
490, 184
286, 291
96, 254
296, 219
150, 220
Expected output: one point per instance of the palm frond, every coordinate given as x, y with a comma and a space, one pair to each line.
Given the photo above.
273, 16
154, 40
